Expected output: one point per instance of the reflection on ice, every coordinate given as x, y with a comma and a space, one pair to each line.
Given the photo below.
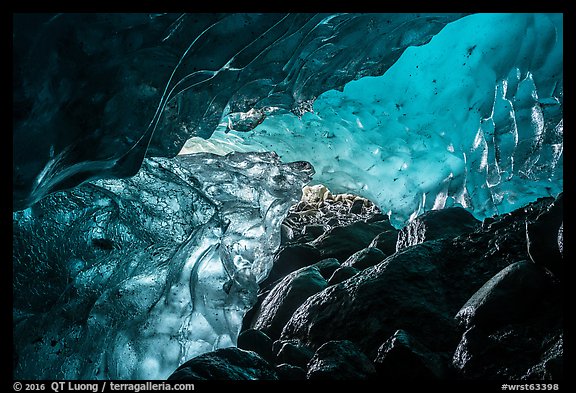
127, 279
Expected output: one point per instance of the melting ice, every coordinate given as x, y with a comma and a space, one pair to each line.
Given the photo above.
127, 279
473, 118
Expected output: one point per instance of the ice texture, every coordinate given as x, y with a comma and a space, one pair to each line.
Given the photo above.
120, 277
96, 93
474, 118
129, 278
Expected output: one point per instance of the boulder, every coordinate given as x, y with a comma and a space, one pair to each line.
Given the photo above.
311, 232
341, 274
377, 217
550, 367
437, 224
286, 234
327, 267
225, 364
286, 296
513, 327
545, 238
364, 258
404, 291
508, 297
290, 258
402, 357
340, 360
292, 352
256, 341
386, 241
288, 372
357, 206
531, 351
342, 241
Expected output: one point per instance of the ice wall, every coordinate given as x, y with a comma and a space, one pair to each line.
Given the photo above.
127, 279
96, 93
473, 118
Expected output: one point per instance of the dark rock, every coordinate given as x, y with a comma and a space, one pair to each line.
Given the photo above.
292, 352
311, 232
473, 259
248, 320
291, 258
508, 297
340, 360
403, 357
518, 217
333, 222
437, 224
357, 206
286, 234
364, 258
561, 239
256, 341
512, 352
225, 364
404, 291
543, 236
377, 217
279, 305
550, 366
386, 241
487, 222
341, 274
514, 327
471, 347
419, 289
343, 241
327, 267
288, 372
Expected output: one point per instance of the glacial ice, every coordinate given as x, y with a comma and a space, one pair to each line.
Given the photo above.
129, 278
99, 92
472, 119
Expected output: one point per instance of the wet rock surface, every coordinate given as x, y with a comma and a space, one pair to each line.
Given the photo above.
364, 258
289, 258
471, 301
340, 360
405, 290
225, 364
256, 341
402, 357
437, 224
279, 305
546, 239
292, 352
513, 326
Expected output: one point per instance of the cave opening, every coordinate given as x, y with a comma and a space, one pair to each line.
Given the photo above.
376, 194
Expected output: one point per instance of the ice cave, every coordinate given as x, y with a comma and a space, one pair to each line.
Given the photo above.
287, 196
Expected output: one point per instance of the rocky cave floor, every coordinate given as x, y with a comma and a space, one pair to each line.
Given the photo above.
447, 297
